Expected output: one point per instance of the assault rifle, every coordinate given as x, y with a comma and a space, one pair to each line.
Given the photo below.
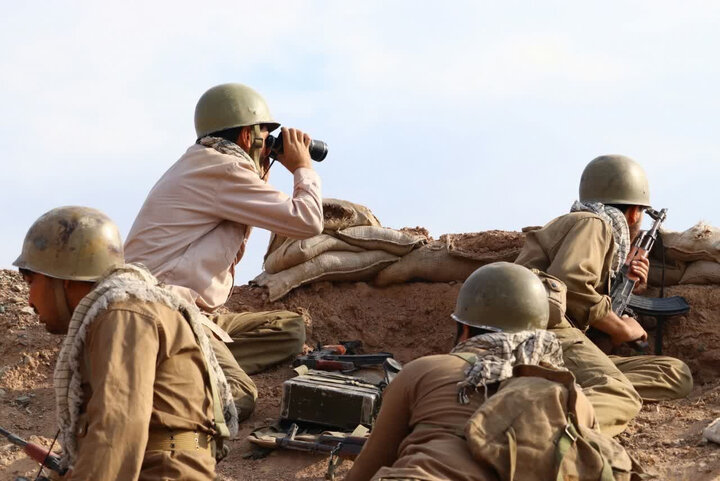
624, 283
345, 446
36, 452
340, 357
336, 446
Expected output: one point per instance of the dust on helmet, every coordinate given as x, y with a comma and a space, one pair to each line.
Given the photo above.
75, 243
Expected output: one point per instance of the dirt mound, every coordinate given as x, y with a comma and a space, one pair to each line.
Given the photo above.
695, 337
27, 358
410, 320
488, 246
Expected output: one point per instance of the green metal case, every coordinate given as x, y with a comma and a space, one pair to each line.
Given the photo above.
330, 399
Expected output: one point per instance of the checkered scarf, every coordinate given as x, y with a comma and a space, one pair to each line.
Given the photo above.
228, 148
620, 229
496, 354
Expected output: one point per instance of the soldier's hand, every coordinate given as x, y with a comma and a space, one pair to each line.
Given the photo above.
633, 331
295, 150
640, 267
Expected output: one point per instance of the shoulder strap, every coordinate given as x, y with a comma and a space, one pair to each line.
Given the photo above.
465, 356
567, 439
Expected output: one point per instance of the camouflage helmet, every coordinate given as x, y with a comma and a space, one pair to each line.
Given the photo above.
614, 179
502, 297
231, 105
75, 243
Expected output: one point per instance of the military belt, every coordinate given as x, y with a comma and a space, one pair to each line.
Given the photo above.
179, 441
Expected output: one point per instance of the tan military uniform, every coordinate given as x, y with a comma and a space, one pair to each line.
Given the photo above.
192, 231
144, 378
260, 339
578, 249
416, 434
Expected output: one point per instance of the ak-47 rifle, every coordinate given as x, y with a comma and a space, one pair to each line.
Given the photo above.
624, 282
344, 446
340, 357
336, 446
36, 452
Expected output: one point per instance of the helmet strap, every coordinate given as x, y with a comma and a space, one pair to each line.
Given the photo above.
256, 147
61, 302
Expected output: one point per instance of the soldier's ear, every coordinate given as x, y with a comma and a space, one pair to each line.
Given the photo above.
243, 139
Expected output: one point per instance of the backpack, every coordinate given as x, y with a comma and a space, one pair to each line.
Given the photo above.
539, 426
557, 299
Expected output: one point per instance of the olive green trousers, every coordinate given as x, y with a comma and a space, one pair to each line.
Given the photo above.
260, 340
616, 386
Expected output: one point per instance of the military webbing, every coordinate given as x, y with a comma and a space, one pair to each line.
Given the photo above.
465, 356
222, 429
178, 441
512, 448
566, 440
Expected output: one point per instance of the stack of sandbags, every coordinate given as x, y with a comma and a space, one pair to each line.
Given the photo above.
353, 247
453, 257
699, 249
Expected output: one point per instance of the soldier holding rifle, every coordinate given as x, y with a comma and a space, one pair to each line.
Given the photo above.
586, 249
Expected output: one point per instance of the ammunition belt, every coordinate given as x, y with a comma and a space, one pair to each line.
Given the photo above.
179, 441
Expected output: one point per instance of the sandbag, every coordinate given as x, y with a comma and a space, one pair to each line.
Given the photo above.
489, 246
329, 266
674, 271
292, 252
394, 241
539, 426
339, 214
701, 272
431, 262
699, 243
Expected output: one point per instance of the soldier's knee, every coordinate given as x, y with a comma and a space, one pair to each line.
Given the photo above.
294, 324
632, 400
683, 380
661, 378
245, 406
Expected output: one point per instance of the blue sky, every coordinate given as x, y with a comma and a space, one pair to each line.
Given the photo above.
457, 116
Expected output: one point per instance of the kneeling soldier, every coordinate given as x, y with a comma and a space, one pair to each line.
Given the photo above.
139, 391
585, 249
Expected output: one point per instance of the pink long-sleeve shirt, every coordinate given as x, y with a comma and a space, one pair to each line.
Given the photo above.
194, 224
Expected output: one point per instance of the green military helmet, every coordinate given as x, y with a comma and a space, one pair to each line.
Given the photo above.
75, 243
614, 179
503, 297
231, 105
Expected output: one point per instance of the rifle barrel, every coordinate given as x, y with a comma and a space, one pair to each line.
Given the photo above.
13, 438
35, 451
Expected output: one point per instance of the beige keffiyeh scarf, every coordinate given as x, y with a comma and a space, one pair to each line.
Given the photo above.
620, 230
228, 148
128, 281
496, 354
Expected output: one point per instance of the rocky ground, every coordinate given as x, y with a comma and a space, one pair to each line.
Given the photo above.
409, 320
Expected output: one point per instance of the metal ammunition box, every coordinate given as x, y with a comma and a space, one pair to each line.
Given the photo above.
330, 399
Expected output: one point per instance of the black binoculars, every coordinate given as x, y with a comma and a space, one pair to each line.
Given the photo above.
318, 149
